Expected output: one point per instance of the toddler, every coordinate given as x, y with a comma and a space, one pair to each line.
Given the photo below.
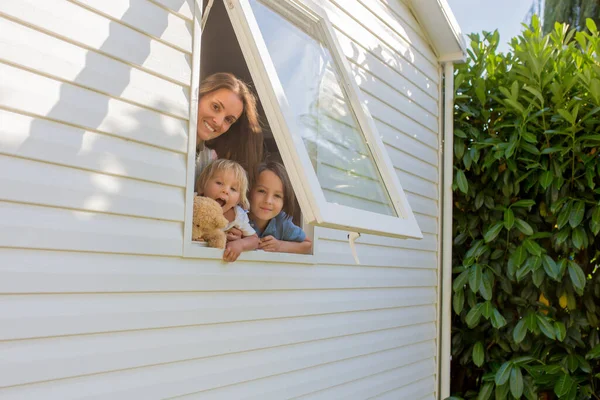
271, 209
225, 181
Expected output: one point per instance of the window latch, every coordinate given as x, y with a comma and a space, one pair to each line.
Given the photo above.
352, 236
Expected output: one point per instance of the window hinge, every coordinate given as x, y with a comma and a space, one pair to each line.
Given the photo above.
229, 3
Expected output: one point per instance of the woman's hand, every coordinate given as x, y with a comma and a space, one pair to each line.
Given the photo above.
269, 243
234, 234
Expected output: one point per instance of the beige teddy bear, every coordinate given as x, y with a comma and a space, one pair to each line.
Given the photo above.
208, 222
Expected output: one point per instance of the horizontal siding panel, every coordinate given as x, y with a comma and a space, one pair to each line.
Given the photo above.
414, 166
428, 224
35, 50
378, 380
53, 228
28, 361
43, 140
27, 316
147, 17
378, 39
382, 64
398, 140
26, 181
170, 380
423, 389
27, 271
76, 24
301, 383
377, 255
415, 184
395, 118
399, 25
41, 96
421, 204
428, 243
401, 9
184, 8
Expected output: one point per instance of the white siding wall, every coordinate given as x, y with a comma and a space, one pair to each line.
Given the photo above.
95, 300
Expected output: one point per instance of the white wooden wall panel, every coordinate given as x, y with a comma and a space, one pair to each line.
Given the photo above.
312, 383
420, 390
375, 382
34, 50
26, 316
41, 96
43, 140
29, 271
37, 360
169, 380
75, 24
37, 227
184, 8
52, 185
95, 299
148, 18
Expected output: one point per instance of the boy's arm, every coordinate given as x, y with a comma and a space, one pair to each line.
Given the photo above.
304, 247
234, 248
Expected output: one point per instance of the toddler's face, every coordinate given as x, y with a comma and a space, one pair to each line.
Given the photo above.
224, 188
266, 198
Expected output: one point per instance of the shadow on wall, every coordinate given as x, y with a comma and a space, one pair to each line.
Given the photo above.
105, 123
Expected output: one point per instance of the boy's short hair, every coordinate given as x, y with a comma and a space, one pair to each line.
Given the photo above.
225, 165
289, 199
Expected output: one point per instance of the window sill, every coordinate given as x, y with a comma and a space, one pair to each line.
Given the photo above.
197, 250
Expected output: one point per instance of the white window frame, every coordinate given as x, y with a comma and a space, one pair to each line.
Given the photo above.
315, 209
192, 249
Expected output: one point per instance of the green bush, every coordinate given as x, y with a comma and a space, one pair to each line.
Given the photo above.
526, 217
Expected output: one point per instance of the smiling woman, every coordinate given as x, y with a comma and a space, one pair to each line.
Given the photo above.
227, 122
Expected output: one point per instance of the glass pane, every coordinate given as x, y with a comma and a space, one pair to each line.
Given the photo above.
322, 113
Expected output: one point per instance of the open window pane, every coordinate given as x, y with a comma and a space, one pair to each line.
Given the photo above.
321, 111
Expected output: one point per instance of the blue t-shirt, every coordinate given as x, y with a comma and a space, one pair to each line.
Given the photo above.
281, 228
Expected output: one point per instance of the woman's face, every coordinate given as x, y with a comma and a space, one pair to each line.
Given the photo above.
217, 111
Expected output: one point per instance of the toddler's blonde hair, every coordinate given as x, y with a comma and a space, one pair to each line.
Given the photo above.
226, 165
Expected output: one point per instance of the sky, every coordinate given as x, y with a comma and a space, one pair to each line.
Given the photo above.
480, 15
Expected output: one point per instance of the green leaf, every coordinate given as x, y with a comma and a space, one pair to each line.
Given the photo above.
516, 382
503, 373
560, 330
478, 354
563, 385
550, 266
591, 25
523, 203
577, 276
523, 226
460, 281
461, 181
576, 215
475, 277
493, 232
578, 237
545, 326
509, 218
487, 281
458, 301
594, 353
486, 391
546, 179
473, 316
487, 309
532, 247
519, 331
502, 392
460, 134
497, 319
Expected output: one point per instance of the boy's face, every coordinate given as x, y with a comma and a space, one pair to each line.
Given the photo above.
224, 188
266, 198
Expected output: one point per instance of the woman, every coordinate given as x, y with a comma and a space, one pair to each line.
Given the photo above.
228, 123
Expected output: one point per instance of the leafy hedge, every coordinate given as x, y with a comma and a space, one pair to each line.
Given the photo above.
526, 217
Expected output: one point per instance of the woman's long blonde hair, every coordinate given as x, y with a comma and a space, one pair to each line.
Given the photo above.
243, 142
